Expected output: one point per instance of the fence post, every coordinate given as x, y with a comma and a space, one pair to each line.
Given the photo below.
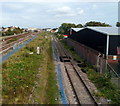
38, 50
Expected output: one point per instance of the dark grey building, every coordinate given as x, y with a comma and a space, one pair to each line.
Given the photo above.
103, 39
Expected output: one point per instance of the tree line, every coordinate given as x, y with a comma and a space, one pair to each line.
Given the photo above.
63, 29
11, 31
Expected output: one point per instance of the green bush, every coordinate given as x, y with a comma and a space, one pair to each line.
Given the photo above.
103, 83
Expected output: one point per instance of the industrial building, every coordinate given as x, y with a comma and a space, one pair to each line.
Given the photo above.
99, 46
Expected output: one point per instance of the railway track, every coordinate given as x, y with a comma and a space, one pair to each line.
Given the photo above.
82, 95
7, 46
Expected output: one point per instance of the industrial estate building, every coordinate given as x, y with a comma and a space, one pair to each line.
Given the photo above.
99, 46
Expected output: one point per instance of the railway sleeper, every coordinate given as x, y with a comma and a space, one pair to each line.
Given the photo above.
78, 61
64, 58
83, 70
81, 64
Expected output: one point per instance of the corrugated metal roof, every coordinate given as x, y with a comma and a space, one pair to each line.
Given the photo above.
105, 30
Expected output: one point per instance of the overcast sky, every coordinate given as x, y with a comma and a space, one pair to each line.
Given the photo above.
53, 14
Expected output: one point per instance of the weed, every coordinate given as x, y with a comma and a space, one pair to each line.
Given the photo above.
51, 85
102, 82
20, 72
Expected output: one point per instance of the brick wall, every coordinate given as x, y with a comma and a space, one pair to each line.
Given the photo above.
92, 56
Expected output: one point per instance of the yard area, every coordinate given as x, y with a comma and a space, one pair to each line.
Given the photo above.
28, 77
106, 89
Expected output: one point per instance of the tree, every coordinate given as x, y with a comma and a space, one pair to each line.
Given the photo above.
79, 26
9, 32
118, 24
17, 30
93, 23
12, 32
65, 27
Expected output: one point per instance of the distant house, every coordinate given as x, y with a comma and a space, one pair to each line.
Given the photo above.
5, 29
32, 29
98, 45
48, 29
54, 30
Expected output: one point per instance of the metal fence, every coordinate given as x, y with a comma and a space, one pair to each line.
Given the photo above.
115, 78
112, 72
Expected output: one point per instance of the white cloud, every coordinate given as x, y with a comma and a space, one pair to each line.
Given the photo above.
66, 11
80, 11
52, 14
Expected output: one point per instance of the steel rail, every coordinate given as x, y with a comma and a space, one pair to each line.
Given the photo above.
60, 47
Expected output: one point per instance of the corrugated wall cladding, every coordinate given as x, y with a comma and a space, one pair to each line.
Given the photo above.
114, 42
90, 38
91, 56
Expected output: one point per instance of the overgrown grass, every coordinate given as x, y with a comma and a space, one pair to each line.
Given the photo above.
59, 36
102, 82
20, 72
12, 40
72, 51
104, 85
51, 96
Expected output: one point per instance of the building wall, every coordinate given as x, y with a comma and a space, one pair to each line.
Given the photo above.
114, 41
90, 38
91, 56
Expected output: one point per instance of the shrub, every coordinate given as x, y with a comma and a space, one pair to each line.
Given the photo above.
30, 48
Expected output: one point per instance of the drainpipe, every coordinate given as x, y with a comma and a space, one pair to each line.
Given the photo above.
107, 48
98, 60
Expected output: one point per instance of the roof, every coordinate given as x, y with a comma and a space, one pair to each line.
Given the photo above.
65, 35
77, 29
105, 30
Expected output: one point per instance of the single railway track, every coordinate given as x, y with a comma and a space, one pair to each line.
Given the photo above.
81, 91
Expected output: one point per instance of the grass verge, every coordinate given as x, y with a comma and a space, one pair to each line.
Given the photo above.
51, 88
